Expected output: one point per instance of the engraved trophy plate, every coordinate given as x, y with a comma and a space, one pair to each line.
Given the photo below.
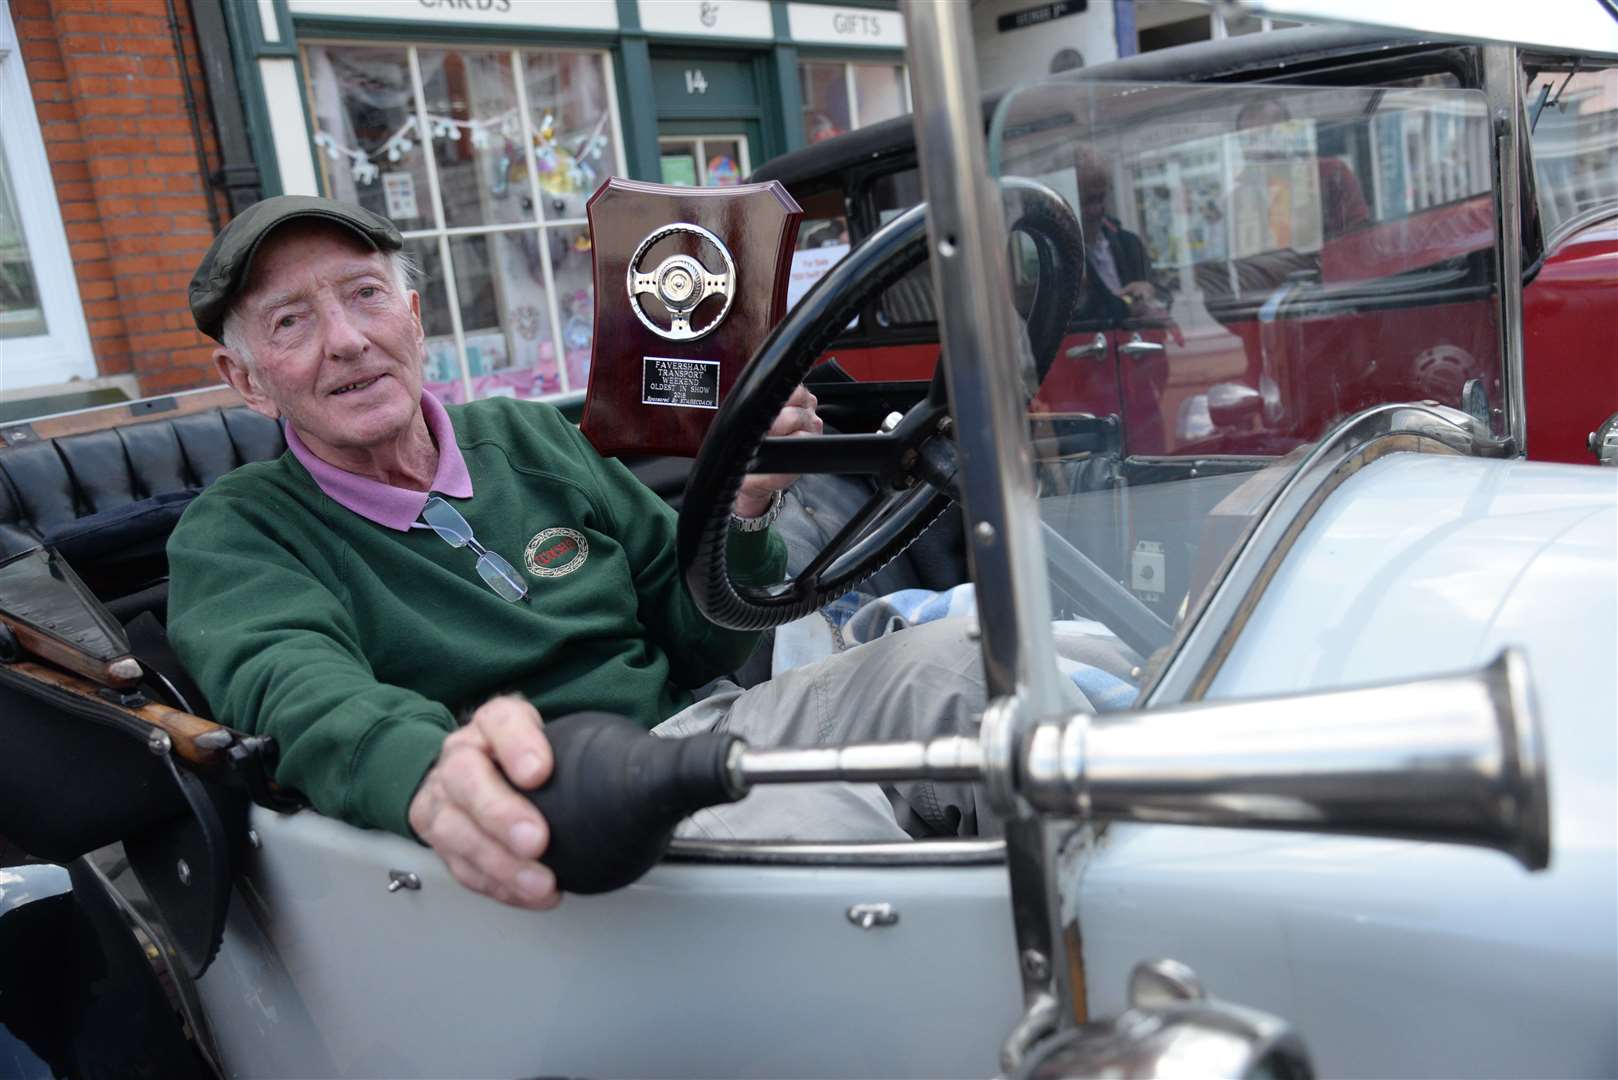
688, 283
666, 380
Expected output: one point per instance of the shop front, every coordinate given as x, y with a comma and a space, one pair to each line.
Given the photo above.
481, 128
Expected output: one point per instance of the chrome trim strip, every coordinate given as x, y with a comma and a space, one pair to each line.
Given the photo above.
1577, 223
1211, 629
985, 352
1233, 461
1503, 88
917, 853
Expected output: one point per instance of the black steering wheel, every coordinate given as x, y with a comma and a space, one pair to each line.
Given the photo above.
913, 462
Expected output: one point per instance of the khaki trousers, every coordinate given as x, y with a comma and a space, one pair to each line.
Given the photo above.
917, 683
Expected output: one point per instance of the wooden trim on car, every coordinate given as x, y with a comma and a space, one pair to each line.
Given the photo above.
199, 742
111, 416
120, 671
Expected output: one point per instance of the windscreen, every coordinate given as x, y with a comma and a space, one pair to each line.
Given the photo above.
1261, 263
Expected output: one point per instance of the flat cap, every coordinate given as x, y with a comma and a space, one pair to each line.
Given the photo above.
223, 270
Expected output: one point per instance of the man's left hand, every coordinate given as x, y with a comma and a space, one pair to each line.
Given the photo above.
797, 417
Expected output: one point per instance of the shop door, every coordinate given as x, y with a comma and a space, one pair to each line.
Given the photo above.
710, 120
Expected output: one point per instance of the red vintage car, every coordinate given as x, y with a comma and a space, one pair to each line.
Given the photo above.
1313, 226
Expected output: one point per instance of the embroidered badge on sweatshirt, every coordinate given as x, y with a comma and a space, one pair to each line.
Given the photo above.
556, 552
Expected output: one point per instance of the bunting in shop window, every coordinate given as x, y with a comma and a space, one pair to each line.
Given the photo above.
562, 171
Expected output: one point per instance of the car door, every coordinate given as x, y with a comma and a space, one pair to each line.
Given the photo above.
354, 953
1316, 251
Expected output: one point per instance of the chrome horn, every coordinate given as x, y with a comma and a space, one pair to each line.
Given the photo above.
1456, 759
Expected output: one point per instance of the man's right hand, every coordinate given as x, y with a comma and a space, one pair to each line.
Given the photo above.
485, 831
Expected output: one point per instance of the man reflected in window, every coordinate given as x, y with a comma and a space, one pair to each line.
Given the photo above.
1119, 283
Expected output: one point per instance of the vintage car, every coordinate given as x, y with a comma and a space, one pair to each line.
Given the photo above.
1376, 268
1352, 812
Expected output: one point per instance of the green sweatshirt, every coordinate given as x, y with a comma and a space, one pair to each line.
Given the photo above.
355, 645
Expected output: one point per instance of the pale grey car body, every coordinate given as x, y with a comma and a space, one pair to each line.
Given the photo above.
1392, 958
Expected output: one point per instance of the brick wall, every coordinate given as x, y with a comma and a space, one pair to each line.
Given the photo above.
112, 111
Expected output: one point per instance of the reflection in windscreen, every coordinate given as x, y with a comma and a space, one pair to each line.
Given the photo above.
1261, 264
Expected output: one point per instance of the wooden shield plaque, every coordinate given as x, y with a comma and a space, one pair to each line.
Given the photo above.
688, 282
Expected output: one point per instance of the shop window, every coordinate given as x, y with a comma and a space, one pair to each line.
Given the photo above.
484, 159
711, 161
822, 241
839, 97
1164, 24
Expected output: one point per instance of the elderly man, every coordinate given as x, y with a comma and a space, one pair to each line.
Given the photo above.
404, 563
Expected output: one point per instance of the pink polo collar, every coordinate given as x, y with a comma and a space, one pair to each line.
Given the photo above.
394, 507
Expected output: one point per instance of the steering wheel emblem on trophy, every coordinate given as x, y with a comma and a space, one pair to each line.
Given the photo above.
681, 283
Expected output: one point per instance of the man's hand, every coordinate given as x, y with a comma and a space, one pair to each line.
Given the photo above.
1142, 298
797, 417
487, 834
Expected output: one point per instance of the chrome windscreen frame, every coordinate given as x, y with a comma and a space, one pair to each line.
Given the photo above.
1503, 87
986, 356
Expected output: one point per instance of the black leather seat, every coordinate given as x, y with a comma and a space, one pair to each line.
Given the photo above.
107, 500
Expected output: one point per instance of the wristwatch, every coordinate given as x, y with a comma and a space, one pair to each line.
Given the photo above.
763, 521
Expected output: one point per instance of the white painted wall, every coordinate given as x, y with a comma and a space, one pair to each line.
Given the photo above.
1020, 55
